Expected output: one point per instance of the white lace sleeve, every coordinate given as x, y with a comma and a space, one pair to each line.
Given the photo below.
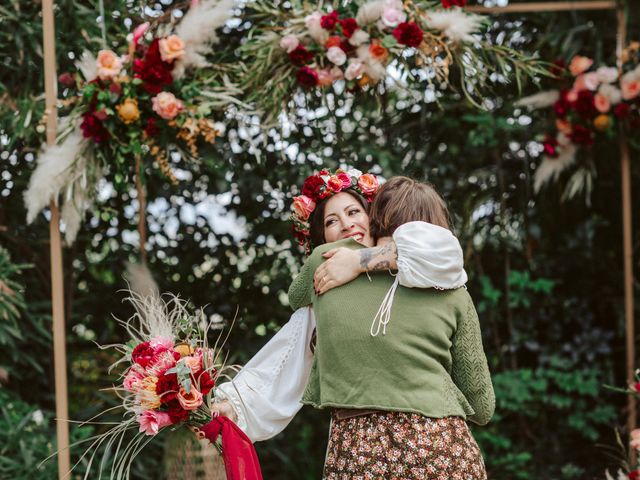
428, 256
266, 393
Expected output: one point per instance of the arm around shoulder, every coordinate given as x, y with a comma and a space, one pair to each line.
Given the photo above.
470, 370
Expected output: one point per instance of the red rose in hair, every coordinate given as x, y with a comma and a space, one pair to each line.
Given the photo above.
328, 22
167, 387
349, 25
312, 185
177, 414
581, 135
307, 77
451, 3
622, 110
345, 179
206, 383
300, 56
408, 33
143, 354
335, 184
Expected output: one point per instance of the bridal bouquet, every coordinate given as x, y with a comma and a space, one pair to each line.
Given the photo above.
168, 381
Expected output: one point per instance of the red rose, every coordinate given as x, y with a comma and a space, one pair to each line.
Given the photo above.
312, 185
345, 179
152, 70
550, 145
451, 3
635, 475
167, 387
300, 56
143, 354
115, 88
206, 383
581, 135
307, 77
585, 104
349, 25
622, 110
101, 115
328, 22
346, 46
408, 33
151, 130
93, 128
177, 414
67, 79
335, 184
561, 108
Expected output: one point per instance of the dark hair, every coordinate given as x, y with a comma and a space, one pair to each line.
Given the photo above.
316, 220
402, 200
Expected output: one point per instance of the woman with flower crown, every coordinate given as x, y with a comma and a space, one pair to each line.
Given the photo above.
267, 392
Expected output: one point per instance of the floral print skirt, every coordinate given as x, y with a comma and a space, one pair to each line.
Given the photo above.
399, 446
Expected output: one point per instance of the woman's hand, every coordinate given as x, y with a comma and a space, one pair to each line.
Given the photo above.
342, 266
225, 409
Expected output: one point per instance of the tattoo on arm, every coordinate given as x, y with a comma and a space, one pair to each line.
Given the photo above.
379, 258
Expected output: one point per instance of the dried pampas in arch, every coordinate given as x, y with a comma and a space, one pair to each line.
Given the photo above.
198, 32
550, 168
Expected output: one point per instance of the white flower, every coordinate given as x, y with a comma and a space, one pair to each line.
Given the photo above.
354, 172
220, 127
392, 16
612, 93
289, 43
359, 37
455, 24
336, 56
370, 12
38, 417
607, 74
319, 34
354, 70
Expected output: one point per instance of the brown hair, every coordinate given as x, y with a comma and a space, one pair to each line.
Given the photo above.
402, 200
316, 220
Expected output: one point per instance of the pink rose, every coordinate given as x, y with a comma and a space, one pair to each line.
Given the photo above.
161, 362
303, 206
345, 179
607, 74
368, 184
312, 22
194, 362
171, 48
109, 64
354, 70
139, 32
334, 184
572, 96
133, 376
336, 73
630, 86
324, 78
392, 17
602, 103
152, 421
167, 105
289, 43
336, 56
586, 81
191, 400
579, 64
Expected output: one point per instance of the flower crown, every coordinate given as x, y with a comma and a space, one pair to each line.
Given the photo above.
322, 185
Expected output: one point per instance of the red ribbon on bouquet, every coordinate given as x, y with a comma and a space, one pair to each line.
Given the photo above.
240, 458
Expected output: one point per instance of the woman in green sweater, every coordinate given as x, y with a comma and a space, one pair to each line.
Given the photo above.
401, 378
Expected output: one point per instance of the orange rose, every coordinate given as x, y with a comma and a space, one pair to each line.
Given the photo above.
579, 64
108, 64
368, 184
563, 126
167, 105
128, 111
378, 52
602, 103
630, 85
334, 183
333, 41
601, 122
191, 400
171, 48
303, 206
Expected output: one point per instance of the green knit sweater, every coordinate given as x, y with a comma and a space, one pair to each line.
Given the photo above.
430, 361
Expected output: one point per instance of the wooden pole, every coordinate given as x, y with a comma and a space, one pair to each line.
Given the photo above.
142, 211
541, 7
625, 173
57, 282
